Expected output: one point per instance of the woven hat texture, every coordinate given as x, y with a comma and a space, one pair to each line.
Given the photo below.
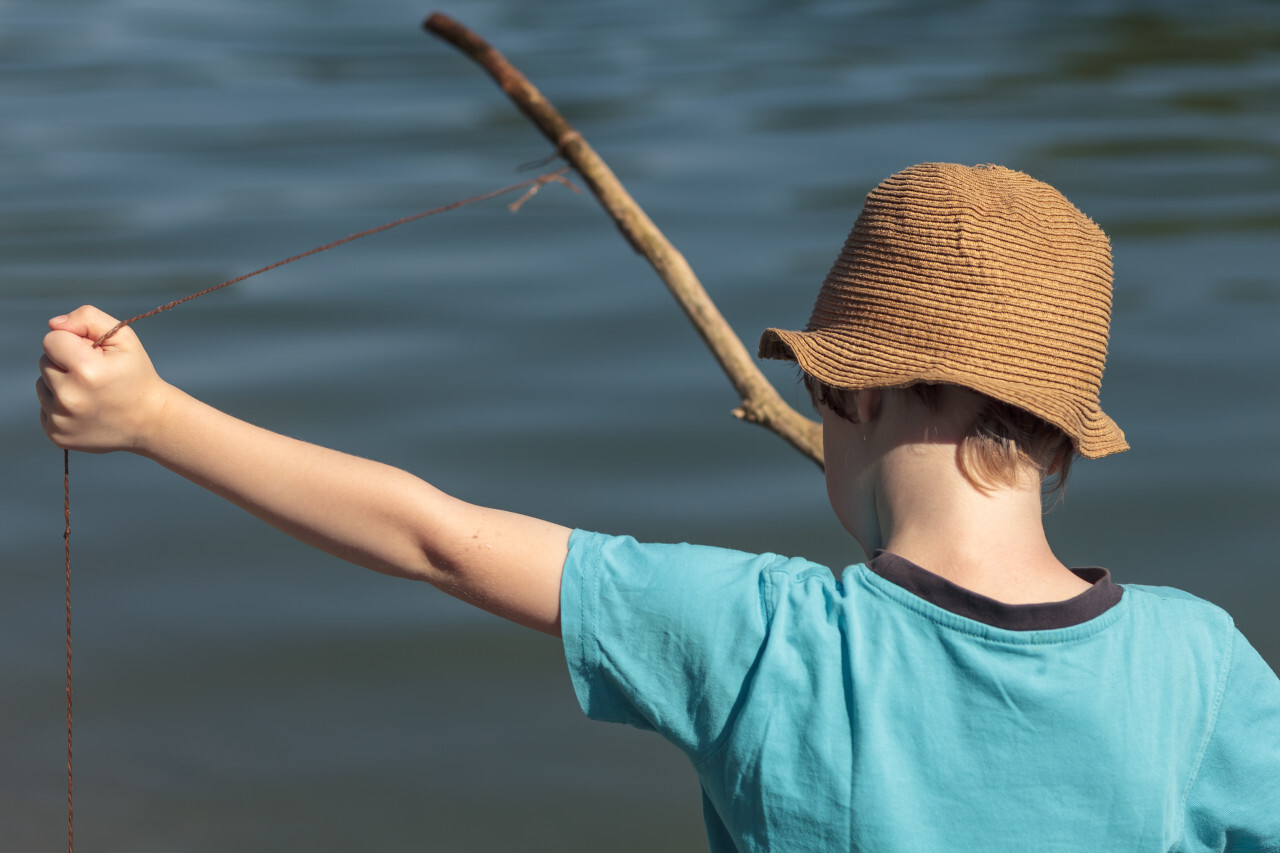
978, 276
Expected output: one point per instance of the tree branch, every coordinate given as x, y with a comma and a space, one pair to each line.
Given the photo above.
761, 403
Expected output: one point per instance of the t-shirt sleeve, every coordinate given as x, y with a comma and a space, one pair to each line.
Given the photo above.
1234, 801
662, 637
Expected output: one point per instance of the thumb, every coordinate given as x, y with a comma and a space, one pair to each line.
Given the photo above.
70, 342
85, 322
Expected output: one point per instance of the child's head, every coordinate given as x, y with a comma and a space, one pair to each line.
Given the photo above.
978, 277
998, 445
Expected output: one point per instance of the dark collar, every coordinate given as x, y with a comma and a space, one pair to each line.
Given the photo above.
1093, 602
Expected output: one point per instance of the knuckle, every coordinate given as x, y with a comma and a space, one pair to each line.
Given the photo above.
91, 375
71, 402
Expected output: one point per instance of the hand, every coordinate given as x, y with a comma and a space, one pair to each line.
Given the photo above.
97, 399
110, 398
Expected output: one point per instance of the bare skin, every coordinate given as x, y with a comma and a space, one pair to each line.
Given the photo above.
892, 479
101, 400
894, 483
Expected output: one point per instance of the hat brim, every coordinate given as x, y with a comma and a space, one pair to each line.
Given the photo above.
843, 363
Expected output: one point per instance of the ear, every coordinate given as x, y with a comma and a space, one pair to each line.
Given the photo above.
867, 403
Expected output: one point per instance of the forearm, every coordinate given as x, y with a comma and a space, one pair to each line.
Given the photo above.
365, 512
357, 509
104, 398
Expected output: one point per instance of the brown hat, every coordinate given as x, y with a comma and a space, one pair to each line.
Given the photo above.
976, 276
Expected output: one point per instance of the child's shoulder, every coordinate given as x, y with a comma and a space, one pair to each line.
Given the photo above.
1172, 613
1173, 595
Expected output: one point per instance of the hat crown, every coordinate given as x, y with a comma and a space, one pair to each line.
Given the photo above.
979, 276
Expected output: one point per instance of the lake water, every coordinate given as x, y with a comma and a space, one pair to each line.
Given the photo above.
236, 691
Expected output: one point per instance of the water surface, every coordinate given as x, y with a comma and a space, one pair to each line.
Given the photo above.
237, 691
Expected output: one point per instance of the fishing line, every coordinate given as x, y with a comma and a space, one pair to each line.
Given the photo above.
530, 188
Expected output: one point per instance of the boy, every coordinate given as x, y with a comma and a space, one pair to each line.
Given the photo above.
962, 690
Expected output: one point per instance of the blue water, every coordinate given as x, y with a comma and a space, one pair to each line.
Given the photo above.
235, 690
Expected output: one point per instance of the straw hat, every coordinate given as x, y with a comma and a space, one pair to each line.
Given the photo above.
977, 276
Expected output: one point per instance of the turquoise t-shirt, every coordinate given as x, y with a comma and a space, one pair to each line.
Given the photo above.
848, 713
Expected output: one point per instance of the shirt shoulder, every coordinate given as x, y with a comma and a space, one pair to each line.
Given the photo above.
1232, 800
1165, 614
661, 636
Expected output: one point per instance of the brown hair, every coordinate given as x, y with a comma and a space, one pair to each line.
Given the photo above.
1001, 442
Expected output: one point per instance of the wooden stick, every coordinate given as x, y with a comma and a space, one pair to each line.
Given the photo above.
761, 403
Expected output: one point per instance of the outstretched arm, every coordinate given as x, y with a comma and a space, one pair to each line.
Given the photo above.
374, 515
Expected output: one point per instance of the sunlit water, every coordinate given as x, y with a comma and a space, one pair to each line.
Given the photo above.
235, 691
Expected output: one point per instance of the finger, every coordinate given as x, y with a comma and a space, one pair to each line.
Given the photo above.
51, 412
55, 389
92, 323
46, 424
86, 321
50, 376
49, 403
63, 350
49, 368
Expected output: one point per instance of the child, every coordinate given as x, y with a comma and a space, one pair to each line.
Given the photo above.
963, 690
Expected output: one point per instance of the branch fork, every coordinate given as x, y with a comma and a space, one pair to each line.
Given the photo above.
761, 403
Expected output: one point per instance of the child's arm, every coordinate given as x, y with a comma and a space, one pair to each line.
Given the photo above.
371, 514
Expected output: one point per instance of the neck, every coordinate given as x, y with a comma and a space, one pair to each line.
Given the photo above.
991, 542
